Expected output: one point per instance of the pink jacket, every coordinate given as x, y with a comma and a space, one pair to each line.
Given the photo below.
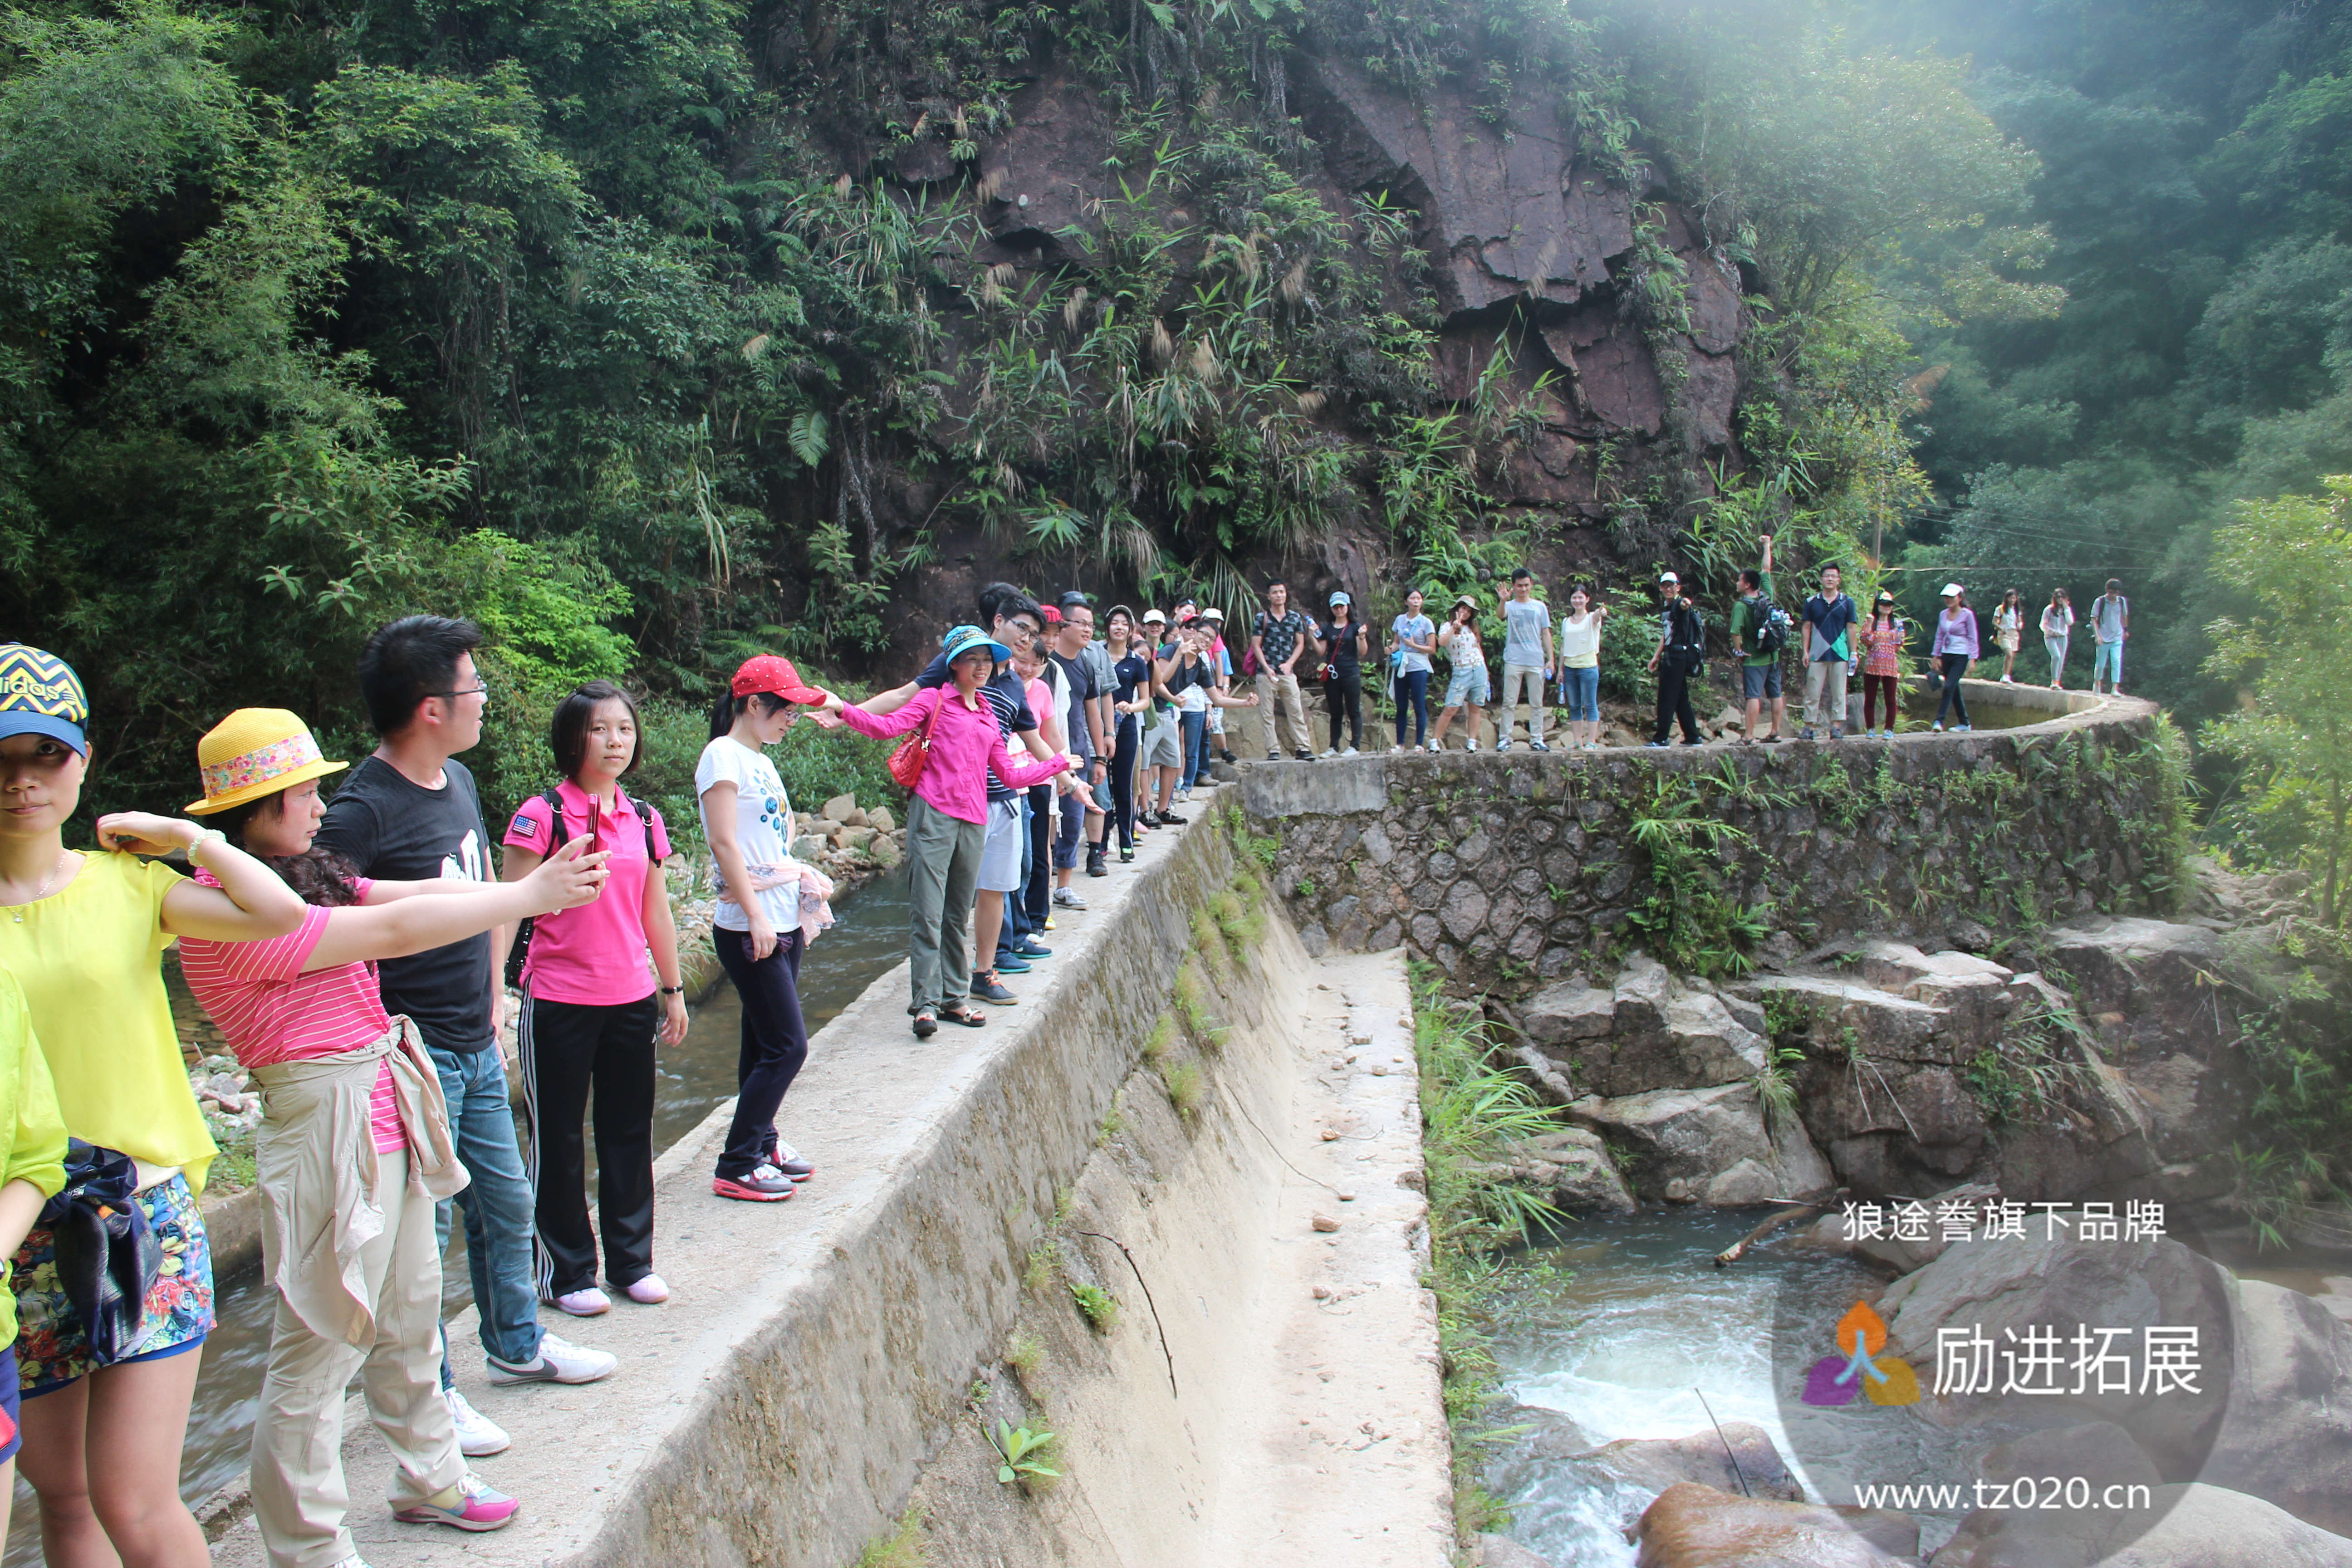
964, 747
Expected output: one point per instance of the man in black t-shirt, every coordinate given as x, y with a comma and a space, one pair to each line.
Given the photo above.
409, 813
1083, 725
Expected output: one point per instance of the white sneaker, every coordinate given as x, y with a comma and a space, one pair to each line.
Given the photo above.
1069, 898
1397, 749
1503, 746
588, 1303
353, 1561
559, 1361
477, 1435
1329, 751
1349, 753
1472, 745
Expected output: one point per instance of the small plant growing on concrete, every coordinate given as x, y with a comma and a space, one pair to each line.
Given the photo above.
902, 1547
1025, 1352
1023, 1453
1186, 1089
1042, 1260
1163, 1036
1114, 1121
1100, 1307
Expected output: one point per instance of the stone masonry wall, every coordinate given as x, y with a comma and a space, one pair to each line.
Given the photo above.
1509, 871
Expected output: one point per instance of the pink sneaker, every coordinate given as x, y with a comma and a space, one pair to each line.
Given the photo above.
648, 1291
468, 1505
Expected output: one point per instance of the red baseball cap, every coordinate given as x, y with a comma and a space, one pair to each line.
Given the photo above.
776, 675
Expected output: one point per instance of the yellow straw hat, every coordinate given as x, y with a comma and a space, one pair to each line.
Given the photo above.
253, 752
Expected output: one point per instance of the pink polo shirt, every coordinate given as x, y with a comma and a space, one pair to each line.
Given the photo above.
271, 1011
595, 954
965, 747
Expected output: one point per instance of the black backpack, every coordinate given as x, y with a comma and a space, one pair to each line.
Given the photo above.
1771, 626
1685, 638
558, 833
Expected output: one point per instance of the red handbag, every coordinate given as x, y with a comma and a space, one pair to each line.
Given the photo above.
908, 762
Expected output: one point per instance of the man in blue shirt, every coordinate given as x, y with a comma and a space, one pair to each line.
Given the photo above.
1829, 615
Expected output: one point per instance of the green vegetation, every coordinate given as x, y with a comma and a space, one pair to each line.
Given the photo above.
2294, 1157
2293, 557
1099, 1305
1692, 916
1472, 1111
902, 1547
1186, 1087
1024, 1454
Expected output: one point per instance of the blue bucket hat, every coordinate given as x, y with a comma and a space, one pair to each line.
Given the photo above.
41, 695
962, 640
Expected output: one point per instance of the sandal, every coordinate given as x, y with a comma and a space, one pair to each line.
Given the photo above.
970, 1017
926, 1023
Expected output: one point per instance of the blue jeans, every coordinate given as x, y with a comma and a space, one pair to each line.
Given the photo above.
1413, 696
497, 1204
2107, 664
1193, 733
1583, 686
1201, 747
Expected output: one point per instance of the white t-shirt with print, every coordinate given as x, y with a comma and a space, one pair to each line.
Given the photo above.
764, 830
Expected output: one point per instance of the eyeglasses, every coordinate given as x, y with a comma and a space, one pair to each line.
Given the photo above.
461, 691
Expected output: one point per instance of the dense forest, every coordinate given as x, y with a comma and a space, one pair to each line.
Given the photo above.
652, 331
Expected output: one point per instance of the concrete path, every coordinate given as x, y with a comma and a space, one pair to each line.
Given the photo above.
871, 1107
1349, 1460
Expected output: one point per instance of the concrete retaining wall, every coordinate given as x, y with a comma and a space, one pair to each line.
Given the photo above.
1509, 871
815, 1354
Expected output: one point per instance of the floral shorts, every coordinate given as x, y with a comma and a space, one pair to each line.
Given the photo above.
52, 1346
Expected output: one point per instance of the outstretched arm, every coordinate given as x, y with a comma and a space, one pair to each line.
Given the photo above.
357, 934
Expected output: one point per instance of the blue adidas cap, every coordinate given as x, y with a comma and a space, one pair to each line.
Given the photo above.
41, 695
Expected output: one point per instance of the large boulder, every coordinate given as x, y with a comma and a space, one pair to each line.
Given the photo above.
2005, 1292
1694, 1042
1737, 1457
2014, 1531
1692, 1526
2202, 1526
1502, 1551
1571, 1168
1841, 1018
1569, 1010
1710, 1145
2191, 1525
2135, 965
2287, 1438
1639, 1007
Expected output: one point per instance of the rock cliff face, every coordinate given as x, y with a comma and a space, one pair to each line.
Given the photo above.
1529, 239
1530, 245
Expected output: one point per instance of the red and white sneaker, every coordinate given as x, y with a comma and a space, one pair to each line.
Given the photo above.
468, 1505
765, 1185
791, 1162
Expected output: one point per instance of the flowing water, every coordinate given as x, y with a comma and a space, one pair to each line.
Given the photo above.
1635, 1325
868, 936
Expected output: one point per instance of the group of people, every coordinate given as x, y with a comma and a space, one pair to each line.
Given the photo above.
1834, 640
355, 953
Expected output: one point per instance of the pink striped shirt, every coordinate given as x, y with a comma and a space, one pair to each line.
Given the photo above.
271, 1012
967, 745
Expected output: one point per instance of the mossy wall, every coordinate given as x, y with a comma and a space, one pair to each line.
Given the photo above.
1509, 871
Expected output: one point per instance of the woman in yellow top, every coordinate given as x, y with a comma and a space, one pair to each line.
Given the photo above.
83, 934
